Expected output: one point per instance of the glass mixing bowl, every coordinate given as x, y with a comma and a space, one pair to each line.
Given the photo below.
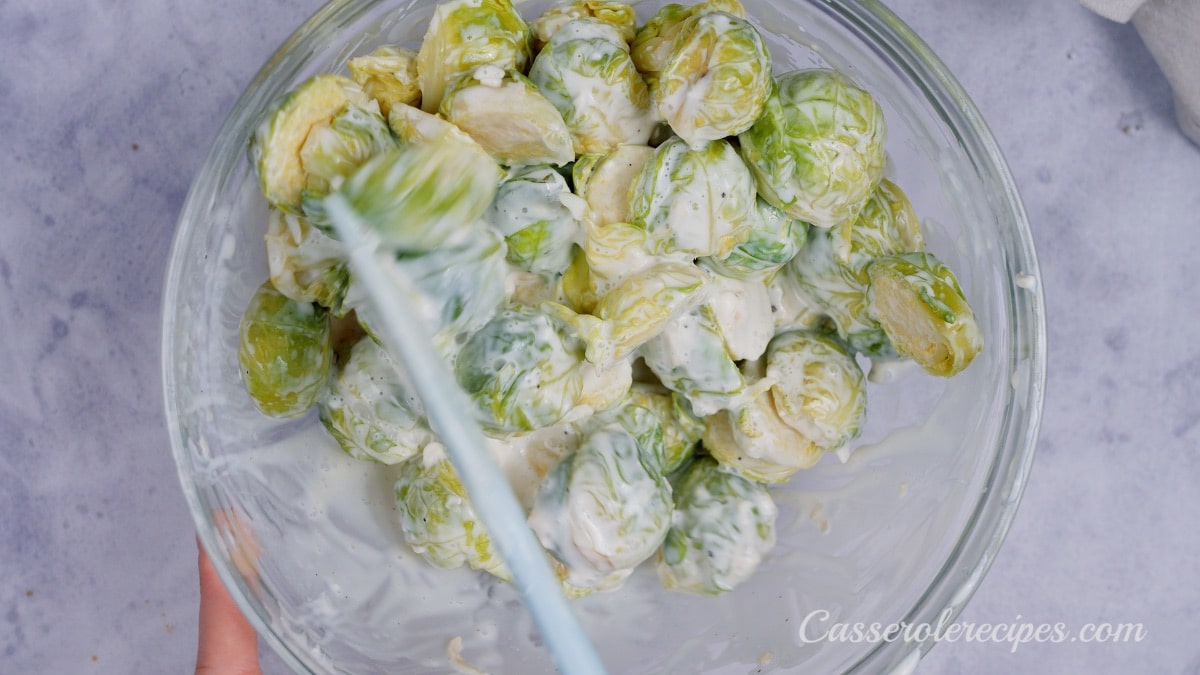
902, 531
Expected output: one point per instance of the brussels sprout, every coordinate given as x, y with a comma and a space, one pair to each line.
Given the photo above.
682, 429
696, 201
482, 105
887, 225
614, 252
333, 152
689, 357
422, 196
604, 388
817, 150
284, 351
792, 305
753, 439
639, 308
651, 47
278, 139
741, 311
606, 507
456, 289
603, 181
722, 527
371, 409
774, 240
921, 307
841, 294
522, 370
716, 79
437, 518
466, 34
617, 14
413, 125
305, 264
537, 214
586, 72
818, 389
526, 458
388, 75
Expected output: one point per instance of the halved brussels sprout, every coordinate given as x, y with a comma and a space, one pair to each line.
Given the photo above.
817, 151
421, 196
921, 307
774, 240
742, 312
537, 214
819, 389
613, 252
586, 72
464, 35
413, 125
689, 357
695, 201
603, 181
887, 225
617, 14
306, 265
454, 289
483, 105
606, 507
652, 44
371, 409
334, 151
437, 518
522, 370
716, 79
278, 139
753, 439
639, 308
682, 429
284, 351
722, 527
388, 75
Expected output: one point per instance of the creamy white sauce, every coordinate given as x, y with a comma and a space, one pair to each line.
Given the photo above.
742, 309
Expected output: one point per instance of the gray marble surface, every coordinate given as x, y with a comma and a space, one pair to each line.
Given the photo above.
107, 108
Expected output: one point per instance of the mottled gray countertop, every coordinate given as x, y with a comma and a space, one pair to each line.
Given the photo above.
107, 108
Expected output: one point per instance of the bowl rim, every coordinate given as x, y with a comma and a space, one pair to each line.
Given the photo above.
985, 530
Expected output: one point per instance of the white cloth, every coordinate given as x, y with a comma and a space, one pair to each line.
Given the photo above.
1115, 10
1171, 31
